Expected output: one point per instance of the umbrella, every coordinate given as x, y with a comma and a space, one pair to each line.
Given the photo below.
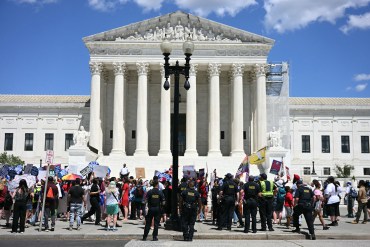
71, 177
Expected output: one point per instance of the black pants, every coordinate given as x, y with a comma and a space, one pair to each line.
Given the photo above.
228, 211
306, 210
19, 214
188, 217
350, 202
153, 212
95, 209
250, 210
266, 212
215, 211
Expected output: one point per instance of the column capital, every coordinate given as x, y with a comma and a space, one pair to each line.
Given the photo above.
119, 68
260, 69
142, 68
96, 68
193, 69
214, 69
237, 69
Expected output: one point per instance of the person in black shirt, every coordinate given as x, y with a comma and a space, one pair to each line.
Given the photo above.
189, 202
251, 192
75, 199
155, 199
303, 201
215, 204
94, 201
230, 197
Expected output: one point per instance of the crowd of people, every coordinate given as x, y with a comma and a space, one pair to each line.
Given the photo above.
111, 201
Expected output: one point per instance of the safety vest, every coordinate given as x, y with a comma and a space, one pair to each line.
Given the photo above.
267, 188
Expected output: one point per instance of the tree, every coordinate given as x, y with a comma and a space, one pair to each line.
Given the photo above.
345, 171
10, 159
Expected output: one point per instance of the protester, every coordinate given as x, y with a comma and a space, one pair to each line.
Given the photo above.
288, 205
215, 202
280, 199
94, 201
125, 198
332, 194
124, 173
112, 206
76, 200
318, 201
50, 203
351, 195
21, 195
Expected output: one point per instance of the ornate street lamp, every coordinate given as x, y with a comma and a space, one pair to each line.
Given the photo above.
313, 168
188, 47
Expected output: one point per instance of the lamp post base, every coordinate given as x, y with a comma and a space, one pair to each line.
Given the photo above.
173, 224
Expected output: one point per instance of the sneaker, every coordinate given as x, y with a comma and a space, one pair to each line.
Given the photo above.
313, 237
144, 238
52, 229
325, 228
46, 230
297, 230
114, 229
354, 222
70, 228
271, 229
78, 228
155, 239
364, 222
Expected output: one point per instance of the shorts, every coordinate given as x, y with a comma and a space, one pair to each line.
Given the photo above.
333, 209
279, 206
204, 201
34, 205
112, 209
288, 211
29, 206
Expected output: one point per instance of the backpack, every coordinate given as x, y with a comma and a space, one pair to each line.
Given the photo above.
139, 192
281, 195
50, 194
353, 193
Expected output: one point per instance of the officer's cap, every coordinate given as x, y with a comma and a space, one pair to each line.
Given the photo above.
229, 175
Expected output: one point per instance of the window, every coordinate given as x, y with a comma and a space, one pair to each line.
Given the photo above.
365, 144
325, 144
49, 141
133, 134
244, 135
111, 134
8, 145
306, 144
306, 170
345, 144
68, 141
327, 171
222, 135
366, 171
28, 142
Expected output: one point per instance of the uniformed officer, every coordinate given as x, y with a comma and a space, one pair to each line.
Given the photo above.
215, 203
230, 198
265, 202
303, 201
183, 185
251, 192
189, 207
155, 199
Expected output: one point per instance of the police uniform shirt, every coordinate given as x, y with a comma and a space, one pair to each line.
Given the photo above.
190, 195
182, 187
155, 197
229, 188
304, 194
251, 190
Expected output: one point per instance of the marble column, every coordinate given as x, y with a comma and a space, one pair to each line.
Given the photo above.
260, 70
142, 110
118, 106
237, 147
214, 70
95, 120
165, 121
191, 113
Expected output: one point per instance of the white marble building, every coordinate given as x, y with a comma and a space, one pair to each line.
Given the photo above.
226, 114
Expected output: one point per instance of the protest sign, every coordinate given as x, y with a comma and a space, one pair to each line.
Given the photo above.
275, 167
140, 172
189, 172
4, 171
28, 169
49, 156
31, 180
201, 173
84, 172
34, 171
73, 169
42, 174
100, 171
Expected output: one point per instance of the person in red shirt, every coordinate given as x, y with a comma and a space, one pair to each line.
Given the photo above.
288, 205
125, 197
203, 190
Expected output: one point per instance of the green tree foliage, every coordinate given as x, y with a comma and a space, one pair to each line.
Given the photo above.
10, 159
345, 171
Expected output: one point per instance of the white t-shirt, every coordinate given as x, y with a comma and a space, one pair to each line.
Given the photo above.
332, 194
124, 171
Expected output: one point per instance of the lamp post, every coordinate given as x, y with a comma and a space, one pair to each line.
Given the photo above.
313, 168
174, 223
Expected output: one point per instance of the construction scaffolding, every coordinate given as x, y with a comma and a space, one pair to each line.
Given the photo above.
277, 90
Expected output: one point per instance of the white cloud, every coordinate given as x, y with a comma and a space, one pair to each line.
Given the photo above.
362, 77
149, 5
105, 5
361, 87
357, 21
287, 15
40, 2
220, 7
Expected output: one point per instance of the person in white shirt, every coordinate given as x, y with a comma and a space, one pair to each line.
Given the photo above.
124, 171
332, 192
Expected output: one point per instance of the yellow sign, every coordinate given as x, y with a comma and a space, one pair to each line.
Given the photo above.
258, 157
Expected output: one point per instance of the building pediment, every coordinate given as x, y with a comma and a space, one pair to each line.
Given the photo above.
178, 26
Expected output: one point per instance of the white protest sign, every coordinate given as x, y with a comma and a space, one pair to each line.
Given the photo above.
84, 172
31, 181
100, 171
49, 156
73, 169
42, 174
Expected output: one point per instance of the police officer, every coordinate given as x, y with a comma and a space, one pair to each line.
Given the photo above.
265, 202
251, 192
189, 202
215, 203
183, 185
155, 200
303, 201
230, 198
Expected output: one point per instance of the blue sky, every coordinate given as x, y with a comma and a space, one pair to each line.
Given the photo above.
325, 42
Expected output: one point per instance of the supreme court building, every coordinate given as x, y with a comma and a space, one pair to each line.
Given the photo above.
235, 101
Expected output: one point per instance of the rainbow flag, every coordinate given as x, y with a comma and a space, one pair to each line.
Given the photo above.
243, 167
258, 157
